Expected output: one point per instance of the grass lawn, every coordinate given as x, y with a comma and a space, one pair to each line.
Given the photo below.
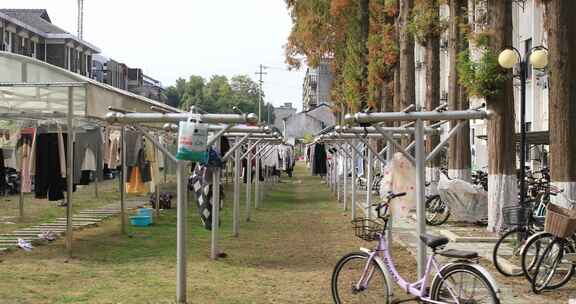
284, 255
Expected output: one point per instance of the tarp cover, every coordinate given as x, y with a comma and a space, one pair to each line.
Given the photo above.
467, 202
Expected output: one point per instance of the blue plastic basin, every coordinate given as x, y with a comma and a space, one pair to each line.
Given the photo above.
141, 220
146, 212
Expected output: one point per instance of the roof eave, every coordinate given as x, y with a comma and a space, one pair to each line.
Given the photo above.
94, 48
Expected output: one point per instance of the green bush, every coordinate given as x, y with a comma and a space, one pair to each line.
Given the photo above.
482, 78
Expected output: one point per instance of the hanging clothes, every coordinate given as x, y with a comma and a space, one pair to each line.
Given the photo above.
151, 158
201, 184
23, 154
360, 160
86, 143
49, 182
319, 160
113, 149
133, 141
135, 183
89, 161
61, 152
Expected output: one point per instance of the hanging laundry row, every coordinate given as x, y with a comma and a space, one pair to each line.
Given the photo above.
33, 159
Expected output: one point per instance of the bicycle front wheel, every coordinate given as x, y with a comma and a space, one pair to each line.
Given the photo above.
552, 270
346, 285
507, 253
533, 253
534, 247
462, 283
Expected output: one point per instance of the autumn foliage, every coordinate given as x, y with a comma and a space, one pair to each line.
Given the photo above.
363, 51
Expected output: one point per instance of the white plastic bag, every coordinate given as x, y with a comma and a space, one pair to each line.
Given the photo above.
192, 141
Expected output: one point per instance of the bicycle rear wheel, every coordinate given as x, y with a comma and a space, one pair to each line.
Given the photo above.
346, 276
507, 253
437, 211
463, 283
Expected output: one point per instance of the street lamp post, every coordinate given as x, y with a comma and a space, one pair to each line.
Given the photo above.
538, 58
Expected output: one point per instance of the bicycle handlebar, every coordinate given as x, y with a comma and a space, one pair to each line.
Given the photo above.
389, 197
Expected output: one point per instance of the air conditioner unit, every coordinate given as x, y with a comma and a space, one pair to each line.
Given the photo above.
418, 65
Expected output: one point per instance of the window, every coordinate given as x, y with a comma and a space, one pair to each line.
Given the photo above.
527, 48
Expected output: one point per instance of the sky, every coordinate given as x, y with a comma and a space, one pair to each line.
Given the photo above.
178, 38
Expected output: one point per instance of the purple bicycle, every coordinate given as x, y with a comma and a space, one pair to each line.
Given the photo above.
362, 277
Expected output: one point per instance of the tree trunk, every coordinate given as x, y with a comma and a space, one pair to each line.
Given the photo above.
407, 76
365, 31
459, 146
561, 44
396, 98
502, 187
433, 96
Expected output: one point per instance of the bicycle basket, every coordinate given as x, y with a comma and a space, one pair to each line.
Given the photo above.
515, 216
560, 221
367, 229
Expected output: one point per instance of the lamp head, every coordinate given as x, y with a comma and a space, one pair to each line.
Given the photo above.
508, 58
349, 118
539, 58
251, 119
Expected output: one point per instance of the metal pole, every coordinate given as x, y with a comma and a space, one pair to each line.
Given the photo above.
158, 154
157, 200
69, 173
389, 159
336, 173
99, 156
214, 252
181, 200
345, 194
216, 179
248, 185
353, 202
236, 211
420, 195
96, 184
21, 199
123, 179
369, 183
257, 183
523, 72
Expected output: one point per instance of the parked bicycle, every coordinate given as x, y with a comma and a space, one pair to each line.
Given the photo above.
513, 253
363, 277
558, 259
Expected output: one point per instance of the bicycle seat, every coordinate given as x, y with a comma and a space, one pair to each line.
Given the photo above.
433, 241
459, 254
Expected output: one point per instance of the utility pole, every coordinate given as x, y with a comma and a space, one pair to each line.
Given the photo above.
80, 19
261, 73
